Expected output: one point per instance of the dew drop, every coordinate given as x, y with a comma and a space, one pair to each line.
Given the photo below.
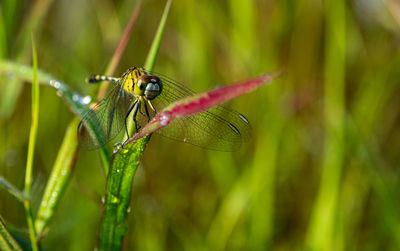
54, 194
114, 199
165, 119
75, 97
55, 84
86, 100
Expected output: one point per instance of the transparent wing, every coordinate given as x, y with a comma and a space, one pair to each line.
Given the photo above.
106, 119
219, 128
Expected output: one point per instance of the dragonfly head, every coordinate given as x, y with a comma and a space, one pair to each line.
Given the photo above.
149, 86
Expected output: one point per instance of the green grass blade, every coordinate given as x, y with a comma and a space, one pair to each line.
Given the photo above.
23, 72
31, 150
7, 242
12, 189
118, 195
155, 46
59, 178
321, 232
122, 170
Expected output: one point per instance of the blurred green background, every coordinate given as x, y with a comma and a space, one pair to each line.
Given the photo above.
320, 171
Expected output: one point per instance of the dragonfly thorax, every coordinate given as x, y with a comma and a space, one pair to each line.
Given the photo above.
149, 86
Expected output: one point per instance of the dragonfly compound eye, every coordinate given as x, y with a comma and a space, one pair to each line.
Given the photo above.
141, 84
153, 88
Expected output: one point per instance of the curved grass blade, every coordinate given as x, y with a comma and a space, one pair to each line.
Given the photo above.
58, 179
23, 72
200, 102
219, 128
122, 170
12, 189
31, 150
7, 242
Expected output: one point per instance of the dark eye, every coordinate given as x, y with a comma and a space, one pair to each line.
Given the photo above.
141, 87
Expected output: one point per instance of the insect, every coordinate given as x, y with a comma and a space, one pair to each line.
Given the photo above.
140, 94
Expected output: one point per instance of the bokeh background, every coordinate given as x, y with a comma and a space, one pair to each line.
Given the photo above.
321, 171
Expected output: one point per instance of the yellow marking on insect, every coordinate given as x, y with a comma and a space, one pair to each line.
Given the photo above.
128, 84
130, 81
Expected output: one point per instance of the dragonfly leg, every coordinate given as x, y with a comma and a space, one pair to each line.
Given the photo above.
147, 112
127, 115
140, 110
151, 106
137, 108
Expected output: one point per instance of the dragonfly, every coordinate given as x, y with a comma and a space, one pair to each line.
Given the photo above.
140, 94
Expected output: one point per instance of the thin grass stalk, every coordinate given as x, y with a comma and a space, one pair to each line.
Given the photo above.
31, 151
155, 46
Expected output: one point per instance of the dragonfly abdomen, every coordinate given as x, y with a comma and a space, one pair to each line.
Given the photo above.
98, 78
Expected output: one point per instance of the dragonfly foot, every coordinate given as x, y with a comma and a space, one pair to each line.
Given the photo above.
119, 146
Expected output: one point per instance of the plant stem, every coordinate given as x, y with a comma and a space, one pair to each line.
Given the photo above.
31, 150
155, 46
